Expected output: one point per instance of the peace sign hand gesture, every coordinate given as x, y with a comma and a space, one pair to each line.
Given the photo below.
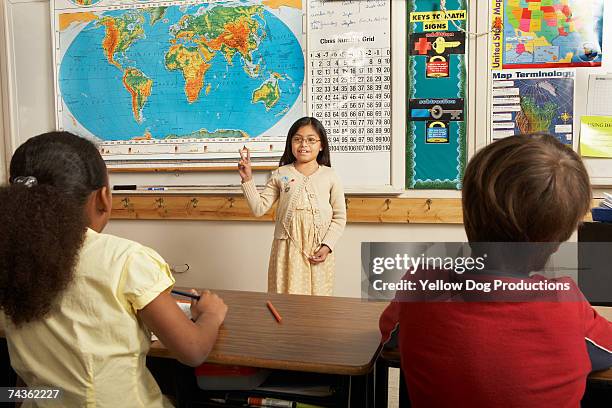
244, 165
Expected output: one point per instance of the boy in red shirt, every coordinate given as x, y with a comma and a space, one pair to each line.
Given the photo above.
508, 354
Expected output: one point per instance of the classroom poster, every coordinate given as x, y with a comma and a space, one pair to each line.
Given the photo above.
349, 65
178, 80
596, 136
546, 33
527, 101
436, 72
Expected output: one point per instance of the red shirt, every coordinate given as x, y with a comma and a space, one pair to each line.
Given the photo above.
488, 354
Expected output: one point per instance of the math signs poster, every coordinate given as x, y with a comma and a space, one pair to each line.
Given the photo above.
436, 118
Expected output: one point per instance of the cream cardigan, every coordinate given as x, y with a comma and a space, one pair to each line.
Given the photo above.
286, 184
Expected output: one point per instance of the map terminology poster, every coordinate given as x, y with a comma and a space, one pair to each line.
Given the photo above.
546, 33
528, 101
179, 80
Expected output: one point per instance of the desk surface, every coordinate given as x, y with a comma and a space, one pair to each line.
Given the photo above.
318, 334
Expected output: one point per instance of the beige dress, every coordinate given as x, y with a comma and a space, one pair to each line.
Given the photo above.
289, 270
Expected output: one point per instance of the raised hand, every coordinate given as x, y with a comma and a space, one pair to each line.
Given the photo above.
244, 165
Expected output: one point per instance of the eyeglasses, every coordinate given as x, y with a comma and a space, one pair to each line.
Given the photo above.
299, 140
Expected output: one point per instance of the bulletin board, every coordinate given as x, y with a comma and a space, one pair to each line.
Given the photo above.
541, 57
368, 121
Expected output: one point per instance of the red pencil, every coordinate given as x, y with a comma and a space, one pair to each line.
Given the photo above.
274, 312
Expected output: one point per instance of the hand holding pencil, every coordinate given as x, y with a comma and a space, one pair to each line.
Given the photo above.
209, 306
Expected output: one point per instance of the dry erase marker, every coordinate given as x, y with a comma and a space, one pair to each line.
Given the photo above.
187, 294
270, 402
246, 400
255, 401
135, 187
274, 312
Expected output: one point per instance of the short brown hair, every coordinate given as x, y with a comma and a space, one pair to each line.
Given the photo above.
525, 188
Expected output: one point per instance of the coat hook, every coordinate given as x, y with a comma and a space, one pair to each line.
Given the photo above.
231, 202
160, 202
346, 202
126, 203
388, 204
428, 204
181, 268
194, 202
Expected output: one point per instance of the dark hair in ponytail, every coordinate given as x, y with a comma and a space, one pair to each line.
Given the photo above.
43, 221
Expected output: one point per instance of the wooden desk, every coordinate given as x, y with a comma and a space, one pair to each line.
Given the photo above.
319, 334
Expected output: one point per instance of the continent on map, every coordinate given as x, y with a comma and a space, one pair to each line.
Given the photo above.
66, 19
276, 4
121, 32
193, 66
85, 2
269, 92
139, 86
534, 118
205, 134
228, 30
155, 14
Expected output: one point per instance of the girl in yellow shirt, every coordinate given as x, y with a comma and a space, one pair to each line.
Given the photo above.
79, 304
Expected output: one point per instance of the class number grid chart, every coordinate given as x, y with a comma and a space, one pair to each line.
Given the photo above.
350, 93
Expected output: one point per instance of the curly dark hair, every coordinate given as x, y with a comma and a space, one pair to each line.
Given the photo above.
43, 225
323, 156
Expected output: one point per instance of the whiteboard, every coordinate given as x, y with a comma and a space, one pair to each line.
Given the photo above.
29, 107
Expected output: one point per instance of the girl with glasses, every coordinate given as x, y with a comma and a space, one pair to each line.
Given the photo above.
310, 215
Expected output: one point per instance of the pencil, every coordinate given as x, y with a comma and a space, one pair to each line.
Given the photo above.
187, 294
274, 312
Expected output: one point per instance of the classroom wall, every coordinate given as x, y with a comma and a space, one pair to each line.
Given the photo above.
230, 255
234, 255
4, 133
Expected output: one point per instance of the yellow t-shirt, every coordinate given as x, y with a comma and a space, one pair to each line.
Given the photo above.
93, 346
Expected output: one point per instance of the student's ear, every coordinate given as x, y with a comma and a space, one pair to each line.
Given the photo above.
104, 200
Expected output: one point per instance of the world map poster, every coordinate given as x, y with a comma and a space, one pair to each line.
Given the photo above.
187, 80
546, 33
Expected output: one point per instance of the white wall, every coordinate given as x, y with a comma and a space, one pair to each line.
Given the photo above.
4, 133
234, 255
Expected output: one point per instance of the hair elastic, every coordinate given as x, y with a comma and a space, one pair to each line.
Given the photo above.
28, 181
